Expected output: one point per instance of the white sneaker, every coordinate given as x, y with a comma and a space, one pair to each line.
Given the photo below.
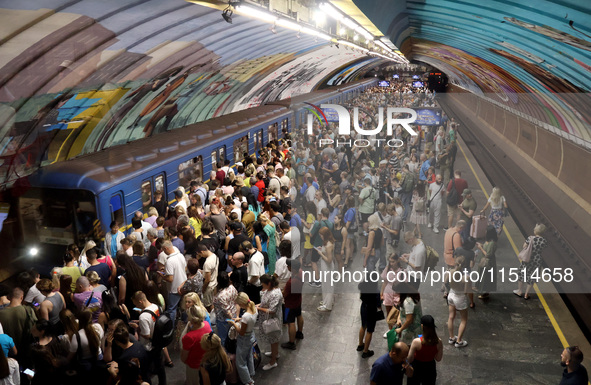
269, 366
323, 308
269, 354
436, 230
386, 335
429, 225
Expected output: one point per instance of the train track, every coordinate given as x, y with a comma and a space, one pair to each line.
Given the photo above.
567, 243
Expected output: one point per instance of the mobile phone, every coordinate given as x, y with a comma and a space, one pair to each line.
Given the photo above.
29, 372
36, 304
136, 309
229, 320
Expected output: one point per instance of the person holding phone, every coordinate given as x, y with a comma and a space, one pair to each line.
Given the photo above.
245, 328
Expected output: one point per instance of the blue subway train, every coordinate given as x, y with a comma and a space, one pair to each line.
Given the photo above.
74, 200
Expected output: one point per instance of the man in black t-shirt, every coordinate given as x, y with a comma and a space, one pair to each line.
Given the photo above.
131, 350
233, 245
574, 372
239, 274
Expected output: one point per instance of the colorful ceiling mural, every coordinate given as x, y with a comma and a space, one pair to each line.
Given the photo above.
80, 76
531, 56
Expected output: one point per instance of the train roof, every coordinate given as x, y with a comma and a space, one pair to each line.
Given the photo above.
101, 170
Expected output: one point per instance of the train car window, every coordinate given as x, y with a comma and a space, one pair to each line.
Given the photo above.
199, 167
222, 154
214, 160
159, 184
116, 207
258, 140
272, 131
146, 195
240, 147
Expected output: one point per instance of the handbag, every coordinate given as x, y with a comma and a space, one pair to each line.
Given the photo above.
392, 337
271, 325
525, 254
380, 314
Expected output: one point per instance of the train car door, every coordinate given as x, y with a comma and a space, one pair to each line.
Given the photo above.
148, 189
117, 208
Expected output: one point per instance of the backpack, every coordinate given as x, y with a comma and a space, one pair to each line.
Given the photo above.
409, 183
344, 166
163, 330
453, 198
432, 259
204, 195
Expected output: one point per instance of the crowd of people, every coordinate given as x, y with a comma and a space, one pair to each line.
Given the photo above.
220, 270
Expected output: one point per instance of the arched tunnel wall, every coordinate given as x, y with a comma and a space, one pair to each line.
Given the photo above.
554, 164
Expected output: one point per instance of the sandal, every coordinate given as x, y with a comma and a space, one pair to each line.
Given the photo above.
169, 364
472, 305
526, 298
517, 293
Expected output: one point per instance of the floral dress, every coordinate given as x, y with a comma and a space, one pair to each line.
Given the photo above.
496, 215
419, 218
272, 300
539, 244
410, 307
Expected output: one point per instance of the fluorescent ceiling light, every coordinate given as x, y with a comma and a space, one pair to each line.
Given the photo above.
260, 14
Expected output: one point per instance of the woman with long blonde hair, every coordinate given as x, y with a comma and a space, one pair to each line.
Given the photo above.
245, 328
192, 352
215, 363
498, 206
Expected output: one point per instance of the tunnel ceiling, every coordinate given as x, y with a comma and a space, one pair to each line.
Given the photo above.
80, 76
77, 76
501, 49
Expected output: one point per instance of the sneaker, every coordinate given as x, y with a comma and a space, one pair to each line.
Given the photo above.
269, 366
268, 354
289, 345
385, 335
445, 229
435, 230
321, 303
429, 225
452, 341
461, 344
360, 348
367, 354
323, 308
299, 336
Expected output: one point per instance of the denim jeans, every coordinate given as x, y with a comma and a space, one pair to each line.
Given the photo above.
222, 329
244, 358
380, 258
173, 303
406, 198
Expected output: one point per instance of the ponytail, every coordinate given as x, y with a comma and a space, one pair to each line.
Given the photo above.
269, 279
244, 301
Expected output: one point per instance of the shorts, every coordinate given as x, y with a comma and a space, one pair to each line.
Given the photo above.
290, 315
208, 297
364, 217
368, 318
315, 256
351, 233
459, 301
453, 211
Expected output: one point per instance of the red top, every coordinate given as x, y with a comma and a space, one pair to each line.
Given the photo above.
261, 186
220, 175
293, 291
461, 185
192, 343
427, 352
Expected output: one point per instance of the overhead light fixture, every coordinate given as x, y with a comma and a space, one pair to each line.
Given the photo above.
273, 29
298, 35
227, 14
343, 31
356, 37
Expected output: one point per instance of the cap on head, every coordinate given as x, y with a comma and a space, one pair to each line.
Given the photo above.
466, 192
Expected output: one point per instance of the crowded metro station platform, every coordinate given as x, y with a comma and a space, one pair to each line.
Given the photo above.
279, 193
